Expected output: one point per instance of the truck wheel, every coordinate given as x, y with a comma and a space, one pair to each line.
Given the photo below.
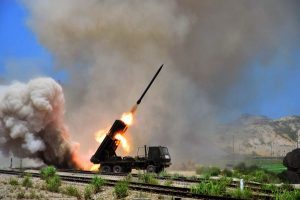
151, 169
159, 169
105, 169
117, 169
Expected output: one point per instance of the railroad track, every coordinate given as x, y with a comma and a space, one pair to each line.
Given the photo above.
256, 187
158, 189
166, 190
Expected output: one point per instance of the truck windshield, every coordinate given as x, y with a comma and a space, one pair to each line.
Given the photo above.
165, 151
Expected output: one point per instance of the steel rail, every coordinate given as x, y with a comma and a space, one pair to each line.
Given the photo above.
158, 189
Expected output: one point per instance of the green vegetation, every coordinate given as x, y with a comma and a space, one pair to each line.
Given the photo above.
288, 195
163, 174
227, 172
97, 182
48, 172
208, 171
128, 178
212, 187
240, 194
168, 183
27, 182
272, 165
255, 173
52, 180
121, 189
88, 192
33, 195
21, 194
53, 183
176, 175
148, 178
13, 181
267, 171
275, 167
72, 191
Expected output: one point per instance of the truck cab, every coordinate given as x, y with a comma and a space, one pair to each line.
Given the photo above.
155, 158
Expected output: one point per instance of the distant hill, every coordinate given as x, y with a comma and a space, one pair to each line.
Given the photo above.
259, 135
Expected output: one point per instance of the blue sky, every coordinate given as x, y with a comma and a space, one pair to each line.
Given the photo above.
271, 90
21, 54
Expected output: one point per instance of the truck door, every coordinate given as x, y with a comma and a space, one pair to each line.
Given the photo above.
154, 154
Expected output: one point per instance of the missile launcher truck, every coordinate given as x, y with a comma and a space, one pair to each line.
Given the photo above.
154, 159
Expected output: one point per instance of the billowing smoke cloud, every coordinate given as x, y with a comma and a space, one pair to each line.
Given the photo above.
31, 122
112, 48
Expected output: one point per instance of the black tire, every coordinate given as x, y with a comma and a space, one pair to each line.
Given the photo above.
105, 169
159, 169
151, 169
117, 169
127, 170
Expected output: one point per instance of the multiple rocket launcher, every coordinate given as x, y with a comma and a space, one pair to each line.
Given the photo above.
107, 148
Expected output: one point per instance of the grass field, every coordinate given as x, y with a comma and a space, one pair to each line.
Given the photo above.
271, 164
274, 167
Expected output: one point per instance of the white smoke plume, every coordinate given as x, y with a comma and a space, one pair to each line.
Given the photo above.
31, 122
111, 49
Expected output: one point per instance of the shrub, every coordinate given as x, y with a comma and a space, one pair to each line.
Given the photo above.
121, 189
27, 182
211, 171
88, 191
212, 187
216, 188
168, 183
241, 194
176, 175
33, 195
53, 183
128, 178
227, 172
263, 176
242, 168
288, 195
21, 194
97, 182
163, 174
72, 191
271, 187
254, 173
148, 178
13, 181
48, 172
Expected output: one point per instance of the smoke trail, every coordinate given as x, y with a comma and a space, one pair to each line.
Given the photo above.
31, 122
111, 48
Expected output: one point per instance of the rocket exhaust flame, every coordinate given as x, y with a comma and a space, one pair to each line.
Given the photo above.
127, 118
100, 135
123, 142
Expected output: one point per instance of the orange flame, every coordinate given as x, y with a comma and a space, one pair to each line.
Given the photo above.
123, 142
95, 167
100, 135
127, 118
